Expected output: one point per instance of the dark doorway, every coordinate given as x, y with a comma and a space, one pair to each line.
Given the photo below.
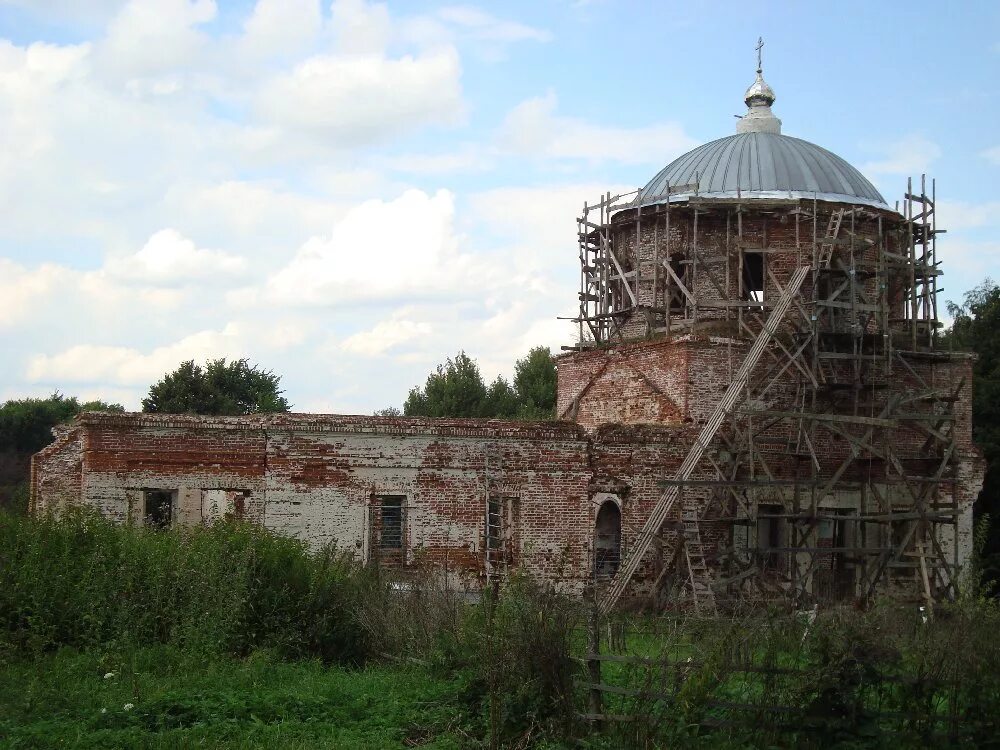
159, 508
608, 540
834, 577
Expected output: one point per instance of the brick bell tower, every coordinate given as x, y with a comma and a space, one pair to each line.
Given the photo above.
760, 295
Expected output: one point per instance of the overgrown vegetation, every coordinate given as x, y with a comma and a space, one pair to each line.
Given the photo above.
26, 424
231, 636
976, 328
82, 582
25, 428
82, 591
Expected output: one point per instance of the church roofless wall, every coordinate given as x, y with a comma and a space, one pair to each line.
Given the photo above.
325, 480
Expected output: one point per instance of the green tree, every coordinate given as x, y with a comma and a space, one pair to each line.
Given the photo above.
26, 424
535, 384
976, 328
501, 400
454, 389
219, 387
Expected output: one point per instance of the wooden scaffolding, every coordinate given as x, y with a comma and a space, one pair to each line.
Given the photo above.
842, 353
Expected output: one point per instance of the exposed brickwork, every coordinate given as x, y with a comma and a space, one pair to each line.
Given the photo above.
629, 414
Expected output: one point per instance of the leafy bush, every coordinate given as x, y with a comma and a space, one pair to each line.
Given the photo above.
518, 645
82, 581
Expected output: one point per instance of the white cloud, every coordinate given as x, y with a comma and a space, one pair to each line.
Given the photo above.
169, 258
279, 28
380, 251
910, 155
483, 26
75, 11
473, 30
384, 336
533, 128
466, 158
539, 222
152, 37
193, 180
120, 365
960, 215
21, 288
360, 27
255, 216
364, 98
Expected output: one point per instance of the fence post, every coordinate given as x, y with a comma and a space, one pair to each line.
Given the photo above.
594, 666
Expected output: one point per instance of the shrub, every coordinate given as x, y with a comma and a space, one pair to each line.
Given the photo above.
82, 581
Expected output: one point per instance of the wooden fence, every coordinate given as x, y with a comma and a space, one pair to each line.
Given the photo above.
798, 703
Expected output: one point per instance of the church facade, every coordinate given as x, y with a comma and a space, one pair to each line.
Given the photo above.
756, 407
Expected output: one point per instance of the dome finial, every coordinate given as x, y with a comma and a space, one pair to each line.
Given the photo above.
759, 98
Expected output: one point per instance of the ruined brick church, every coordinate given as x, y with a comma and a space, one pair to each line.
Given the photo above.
756, 406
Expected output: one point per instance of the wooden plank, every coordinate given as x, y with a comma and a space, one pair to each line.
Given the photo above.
820, 417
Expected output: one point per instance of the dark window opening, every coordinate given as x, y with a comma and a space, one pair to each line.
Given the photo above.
753, 277
391, 523
770, 536
607, 544
159, 508
240, 504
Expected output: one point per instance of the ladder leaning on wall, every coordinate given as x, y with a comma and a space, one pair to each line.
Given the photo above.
694, 554
494, 556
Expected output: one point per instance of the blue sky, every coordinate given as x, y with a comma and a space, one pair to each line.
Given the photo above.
348, 193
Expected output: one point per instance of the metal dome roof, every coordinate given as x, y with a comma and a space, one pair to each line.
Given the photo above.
763, 165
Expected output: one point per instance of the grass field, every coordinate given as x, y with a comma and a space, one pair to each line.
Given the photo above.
233, 637
158, 697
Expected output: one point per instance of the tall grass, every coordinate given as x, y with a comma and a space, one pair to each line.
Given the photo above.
82, 581
235, 590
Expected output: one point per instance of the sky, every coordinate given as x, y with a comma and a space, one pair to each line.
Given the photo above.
347, 193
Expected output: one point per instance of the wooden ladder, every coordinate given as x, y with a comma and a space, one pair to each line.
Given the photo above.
495, 557
722, 410
827, 244
699, 576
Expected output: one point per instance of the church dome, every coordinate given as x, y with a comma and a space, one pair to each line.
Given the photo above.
763, 165
759, 162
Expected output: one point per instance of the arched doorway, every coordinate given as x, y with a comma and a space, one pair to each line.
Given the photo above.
607, 540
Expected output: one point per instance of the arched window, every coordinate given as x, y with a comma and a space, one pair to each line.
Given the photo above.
607, 540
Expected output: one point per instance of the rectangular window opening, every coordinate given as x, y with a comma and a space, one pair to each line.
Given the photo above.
770, 536
494, 524
158, 508
753, 277
390, 527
